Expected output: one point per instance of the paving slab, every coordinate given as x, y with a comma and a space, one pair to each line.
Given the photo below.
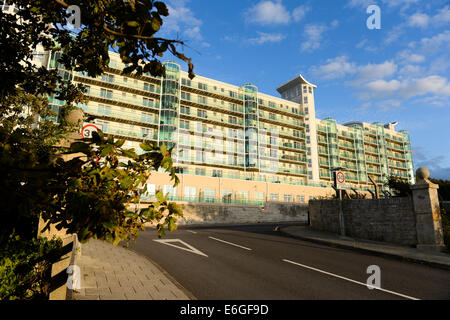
116, 273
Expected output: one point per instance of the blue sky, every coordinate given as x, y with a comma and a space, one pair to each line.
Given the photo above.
400, 72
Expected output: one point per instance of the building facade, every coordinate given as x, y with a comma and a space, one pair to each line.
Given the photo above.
236, 144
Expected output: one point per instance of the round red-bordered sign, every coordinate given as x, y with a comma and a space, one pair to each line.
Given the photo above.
87, 126
340, 177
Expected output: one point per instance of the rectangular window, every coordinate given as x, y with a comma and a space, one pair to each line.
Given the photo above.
200, 171
103, 109
259, 196
185, 110
300, 198
287, 198
186, 96
209, 194
190, 193
217, 173
232, 120
202, 113
242, 196
184, 124
171, 190
202, 86
150, 192
147, 102
227, 195
106, 93
274, 197
149, 87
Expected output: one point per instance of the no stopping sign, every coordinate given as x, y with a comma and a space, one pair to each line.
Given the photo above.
339, 180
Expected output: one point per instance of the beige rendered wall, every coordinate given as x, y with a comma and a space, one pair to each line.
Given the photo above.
220, 184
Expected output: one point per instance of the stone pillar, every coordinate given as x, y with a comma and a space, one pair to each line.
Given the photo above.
426, 207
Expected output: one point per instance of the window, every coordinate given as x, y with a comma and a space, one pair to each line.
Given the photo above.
202, 86
103, 109
209, 194
287, 198
190, 193
305, 99
185, 96
147, 102
184, 124
300, 198
243, 196
200, 171
171, 190
186, 82
108, 77
310, 89
202, 113
259, 196
149, 87
232, 119
185, 110
274, 197
106, 93
227, 195
150, 192
217, 173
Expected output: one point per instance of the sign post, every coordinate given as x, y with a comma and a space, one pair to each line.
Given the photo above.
339, 184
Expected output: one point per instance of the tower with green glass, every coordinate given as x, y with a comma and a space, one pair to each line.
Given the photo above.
250, 96
169, 110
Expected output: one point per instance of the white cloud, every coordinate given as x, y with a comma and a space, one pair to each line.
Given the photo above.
407, 88
424, 20
406, 56
181, 20
338, 67
375, 71
390, 3
313, 34
265, 38
268, 12
300, 12
419, 20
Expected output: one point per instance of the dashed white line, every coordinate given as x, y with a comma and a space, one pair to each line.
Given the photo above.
191, 231
347, 279
230, 243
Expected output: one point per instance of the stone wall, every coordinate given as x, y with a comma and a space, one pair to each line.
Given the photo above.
390, 220
214, 213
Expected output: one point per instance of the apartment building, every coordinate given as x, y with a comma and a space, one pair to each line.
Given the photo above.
236, 144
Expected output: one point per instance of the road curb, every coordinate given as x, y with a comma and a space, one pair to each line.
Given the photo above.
367, 251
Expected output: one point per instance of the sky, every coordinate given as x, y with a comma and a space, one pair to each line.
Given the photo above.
397, 72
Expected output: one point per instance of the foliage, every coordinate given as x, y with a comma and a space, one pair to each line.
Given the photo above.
100, 186
86, 195
399, 187
444, 188
25, 267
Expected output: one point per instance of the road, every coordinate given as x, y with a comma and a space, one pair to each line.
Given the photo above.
257, 262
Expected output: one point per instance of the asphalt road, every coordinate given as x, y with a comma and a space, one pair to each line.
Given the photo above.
256, 262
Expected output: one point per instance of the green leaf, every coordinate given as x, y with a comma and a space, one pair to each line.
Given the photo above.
133, 24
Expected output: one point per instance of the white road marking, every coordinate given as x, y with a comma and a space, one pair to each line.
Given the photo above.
233, 244
344, 278
191, 231
191, 249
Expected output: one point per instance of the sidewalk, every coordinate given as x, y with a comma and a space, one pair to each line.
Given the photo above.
441, 260
115, 273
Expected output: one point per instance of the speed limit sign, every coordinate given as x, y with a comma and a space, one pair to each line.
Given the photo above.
88, 129
339, 180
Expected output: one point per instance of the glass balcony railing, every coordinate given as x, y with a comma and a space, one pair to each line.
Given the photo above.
132, 116
119, 80
149, 103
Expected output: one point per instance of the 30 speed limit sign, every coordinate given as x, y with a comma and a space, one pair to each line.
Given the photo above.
339, 180
88, 129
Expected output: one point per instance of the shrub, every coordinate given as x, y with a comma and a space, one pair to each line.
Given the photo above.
25, 267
